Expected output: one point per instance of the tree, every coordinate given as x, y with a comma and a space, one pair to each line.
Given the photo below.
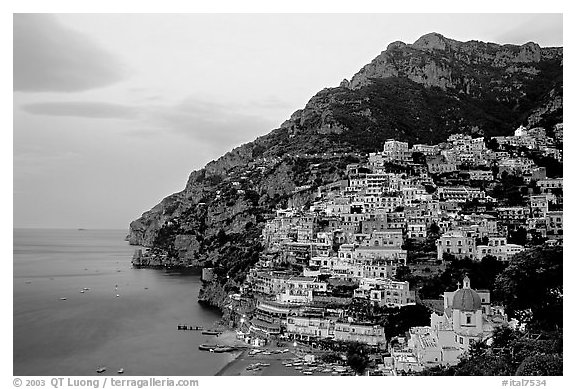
400, 320
541, 365
519, 236
419, 158
533, 281
357, 357
434, 229
492, 144
402, 273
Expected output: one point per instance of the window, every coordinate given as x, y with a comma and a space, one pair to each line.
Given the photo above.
468, 319
461, 340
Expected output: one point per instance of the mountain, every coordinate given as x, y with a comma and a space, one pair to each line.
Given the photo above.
420, 93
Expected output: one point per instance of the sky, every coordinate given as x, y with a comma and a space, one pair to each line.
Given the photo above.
111, 112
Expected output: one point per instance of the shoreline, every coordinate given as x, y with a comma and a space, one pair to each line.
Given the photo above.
230, 365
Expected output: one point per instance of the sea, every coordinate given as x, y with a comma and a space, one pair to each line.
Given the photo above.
126, 318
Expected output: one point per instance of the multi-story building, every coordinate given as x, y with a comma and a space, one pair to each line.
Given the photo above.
549, 184
416, 230
460, 194
360, 332
438, 164
425, 149
513, 215
554, 224
385, 292
456, 243
538, 206
481, 175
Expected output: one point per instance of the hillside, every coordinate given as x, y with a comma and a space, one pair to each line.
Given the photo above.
420, 93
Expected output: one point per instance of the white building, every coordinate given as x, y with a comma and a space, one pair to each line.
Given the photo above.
456, 243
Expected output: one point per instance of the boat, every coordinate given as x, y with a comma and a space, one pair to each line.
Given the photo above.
82, 291
101, 369
207, 347
121, 371
63, 298
210, 332
223, 349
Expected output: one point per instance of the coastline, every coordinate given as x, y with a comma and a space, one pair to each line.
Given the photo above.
232, 365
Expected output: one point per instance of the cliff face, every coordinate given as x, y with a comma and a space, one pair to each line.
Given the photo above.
419, 92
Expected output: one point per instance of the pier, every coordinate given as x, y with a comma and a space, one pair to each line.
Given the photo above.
186, 327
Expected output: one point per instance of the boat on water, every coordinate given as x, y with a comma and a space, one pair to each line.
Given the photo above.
207, 347
101, 369
223, 349
63, 298
121, 371
210, 332
216, 348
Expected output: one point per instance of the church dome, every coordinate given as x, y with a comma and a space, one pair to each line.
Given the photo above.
466, 300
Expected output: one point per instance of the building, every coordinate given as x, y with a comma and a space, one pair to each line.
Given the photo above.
456, 243
309, 328
481, 175
468, 317
550, 184
438, 164
360, 332
538, 206
385, 292
460, 194
554, 224
416, 230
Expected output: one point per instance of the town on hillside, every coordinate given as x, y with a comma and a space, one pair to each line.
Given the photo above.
355, 265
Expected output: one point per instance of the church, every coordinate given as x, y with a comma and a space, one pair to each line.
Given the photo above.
467, 317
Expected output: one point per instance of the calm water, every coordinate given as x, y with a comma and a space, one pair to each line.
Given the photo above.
136, 331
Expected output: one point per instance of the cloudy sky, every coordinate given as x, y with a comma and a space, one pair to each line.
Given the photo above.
113, 111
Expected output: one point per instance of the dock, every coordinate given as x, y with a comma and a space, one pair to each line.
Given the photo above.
186, 327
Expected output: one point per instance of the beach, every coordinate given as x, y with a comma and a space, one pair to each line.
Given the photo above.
272, 361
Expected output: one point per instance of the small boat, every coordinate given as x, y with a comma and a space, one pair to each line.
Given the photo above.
101, 369
207, 347
63, 298
117, 295
210, 332
82, 291
223, 349
121, 371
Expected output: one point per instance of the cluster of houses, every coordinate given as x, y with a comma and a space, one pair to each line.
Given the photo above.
350, 241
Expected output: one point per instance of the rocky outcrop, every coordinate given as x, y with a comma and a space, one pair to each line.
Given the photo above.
436, 61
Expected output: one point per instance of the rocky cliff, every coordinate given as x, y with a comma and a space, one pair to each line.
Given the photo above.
419, 93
